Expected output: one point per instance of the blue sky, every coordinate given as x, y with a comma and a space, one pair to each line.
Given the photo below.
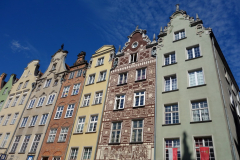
35, 29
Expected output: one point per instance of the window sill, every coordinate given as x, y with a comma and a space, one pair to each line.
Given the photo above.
74, 94
29, 108
136, 143
48, 104
193, 58
89, 84
196, 86
38, 106
171, 91
21, 127
21, 152
67, 117
133, 62
41, 124
57, 118
201, 121
31, 152
61, 141
121, 84
77, 133
64, 97
96, 104
84, 106
138, 106
179, 39
90, 132
119, 109
169, 64
140, 80
101, 81
11, 152
31, 126
99, 65
49, 142
113, 143
171, 124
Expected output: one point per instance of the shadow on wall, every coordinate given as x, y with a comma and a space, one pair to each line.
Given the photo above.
237, 128
187, 155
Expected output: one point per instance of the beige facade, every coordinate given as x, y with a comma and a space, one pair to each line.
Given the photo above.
88, 121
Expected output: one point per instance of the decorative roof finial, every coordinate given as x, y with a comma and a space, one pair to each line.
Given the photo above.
154, 38
119, 49
177, 7
62, 46
161, 29
197, 16
136, 28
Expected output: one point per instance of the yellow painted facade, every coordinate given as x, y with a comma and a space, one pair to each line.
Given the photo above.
88, 138
18, 98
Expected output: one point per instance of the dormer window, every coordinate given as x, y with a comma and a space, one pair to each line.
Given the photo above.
133, 58
135, 44
54, 66
179, 35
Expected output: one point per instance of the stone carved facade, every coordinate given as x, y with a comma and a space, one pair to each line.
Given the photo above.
126, 149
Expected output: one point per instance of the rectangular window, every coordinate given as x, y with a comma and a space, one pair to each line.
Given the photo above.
139, 99
87, 153
98, 98
40, 101
102, 76
196, 78
14, 118
237, 109
1, 118
15, 144
93, 123
43, 119
1, 104
204, 142
31, 104
116, 132
71, 75
63, 135
179, 35
69, 112
15, 101
75, 90
56, 158
193, 52
54, 66
25, 85
79, 73
24, 122
19, 86
35, 143
50, 99
137, 131
52, 135
200, 111
5, 91
170, 83
169, 59
100, 61
25, 143
86, 100
91, 79
80, 125
59, 112
8, 102
6, 120
141, 74
33, 121
22, 100
48, 82
65, 91
171, 114
172, 149
133, 58
5, 140
73, 154
230, 96
122, 79
119, 102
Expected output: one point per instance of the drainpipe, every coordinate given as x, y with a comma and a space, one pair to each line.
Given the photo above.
224, 103
155, 110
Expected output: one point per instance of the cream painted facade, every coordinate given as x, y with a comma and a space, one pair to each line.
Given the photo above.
15, 104
87, 139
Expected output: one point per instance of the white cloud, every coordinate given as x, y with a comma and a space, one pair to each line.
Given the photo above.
17, 47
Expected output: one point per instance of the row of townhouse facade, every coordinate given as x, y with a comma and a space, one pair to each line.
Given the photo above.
170, 98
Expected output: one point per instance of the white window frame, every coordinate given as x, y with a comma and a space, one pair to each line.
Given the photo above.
203, 142
133, 57
88, 155
73, 156
47, 83
100, 61
170, 58
171, 112
59, 112
80, 124
141, 74
41, 101
15, 144
120, 98
98, 97
173, 146
63, 134
35, 143
5, 90
195, 77
20, 85
192, 110
79, 73
14, 118
92, 122
179, 33
1, 104
24, 123
193, 51
33, 121
15, 100
50, 99
91, 79
102, 77
5, 140
25, 84
25, 143
71, 75
1, 118
52, 135
54, 66
237, 109
22, 99
8, 102
70, 110
42, 119
115, 130
137, 128
140, 95
6, 120
31, 103
76, 87
171, 84
65, 91
86, 98
124, 79
231, 97
56, 158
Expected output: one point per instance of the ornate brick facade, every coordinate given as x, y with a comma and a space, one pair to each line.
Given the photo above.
126, 148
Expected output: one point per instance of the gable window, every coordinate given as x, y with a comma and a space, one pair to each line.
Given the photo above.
100, 61
54, 66
80, 125
98, 98
52, 135
93, 123
59, 112
196, 78
65, 91
63, 135
51, 98
179, 35
193, 52
5, 91
169, 58
24, 122
6, 120
171, 114
172, 149
71, 75
116, 132
43, 119
141, 74
35, 143
14, 118
31, 104
137, 131
33, 122
55, 83
15, 101
86, 100
48, 82
25, 143
23, 98
200, 111
40, 101
133, 58
87, 153
119, 102
8, 102
73, 154
19, 86
15, 144
79, 73
102, 76
170, 83
122, 79
5, 140
139, 99
70, 110
200, 142
91, 79
25, 85
75, 90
